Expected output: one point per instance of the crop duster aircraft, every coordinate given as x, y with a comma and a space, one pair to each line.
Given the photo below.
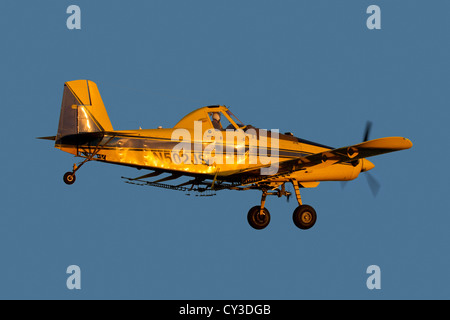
255, 159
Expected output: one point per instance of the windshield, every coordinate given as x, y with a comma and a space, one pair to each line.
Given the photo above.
235, 119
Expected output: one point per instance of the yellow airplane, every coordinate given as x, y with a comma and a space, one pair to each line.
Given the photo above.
212, 150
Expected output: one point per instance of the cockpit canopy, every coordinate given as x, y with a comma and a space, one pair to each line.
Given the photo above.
212, 117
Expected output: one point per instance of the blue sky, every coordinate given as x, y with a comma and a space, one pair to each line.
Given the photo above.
309, 67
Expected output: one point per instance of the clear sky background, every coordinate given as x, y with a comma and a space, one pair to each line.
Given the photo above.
309, 67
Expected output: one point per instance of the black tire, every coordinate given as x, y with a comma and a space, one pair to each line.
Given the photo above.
69, 178
256, 220
304, 217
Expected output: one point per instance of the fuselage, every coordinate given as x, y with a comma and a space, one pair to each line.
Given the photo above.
196, 146
158, 149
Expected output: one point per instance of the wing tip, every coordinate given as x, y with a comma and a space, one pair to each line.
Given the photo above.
408, 143
394, 143
402, 143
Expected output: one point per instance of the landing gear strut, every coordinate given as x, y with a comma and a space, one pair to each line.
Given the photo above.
304, 216
69, 177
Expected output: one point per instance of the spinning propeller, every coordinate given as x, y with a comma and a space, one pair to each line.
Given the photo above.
374, 185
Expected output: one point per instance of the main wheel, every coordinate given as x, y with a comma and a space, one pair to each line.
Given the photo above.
69, 178
304, 217
257, 220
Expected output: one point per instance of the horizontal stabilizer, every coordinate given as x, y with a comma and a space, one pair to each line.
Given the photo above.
81, 138
52, 138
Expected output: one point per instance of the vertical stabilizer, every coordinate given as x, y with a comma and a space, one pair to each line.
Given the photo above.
82, 110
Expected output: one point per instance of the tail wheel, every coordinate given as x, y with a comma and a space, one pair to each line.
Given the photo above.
69, 178
257, 220
304, 217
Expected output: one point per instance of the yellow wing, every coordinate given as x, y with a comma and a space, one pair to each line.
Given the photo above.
345, 154
352, 153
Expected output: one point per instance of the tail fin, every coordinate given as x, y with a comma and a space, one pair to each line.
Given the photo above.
82, 110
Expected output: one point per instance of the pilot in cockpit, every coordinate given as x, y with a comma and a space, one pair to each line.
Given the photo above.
216, 121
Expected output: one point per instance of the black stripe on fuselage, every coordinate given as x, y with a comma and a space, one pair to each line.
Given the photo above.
141, 143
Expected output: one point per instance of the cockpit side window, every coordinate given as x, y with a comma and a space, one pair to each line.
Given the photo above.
220, 121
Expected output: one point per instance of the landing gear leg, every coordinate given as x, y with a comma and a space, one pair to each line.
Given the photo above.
304, 216
259, 217
263, 202
69, 177
297, 192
